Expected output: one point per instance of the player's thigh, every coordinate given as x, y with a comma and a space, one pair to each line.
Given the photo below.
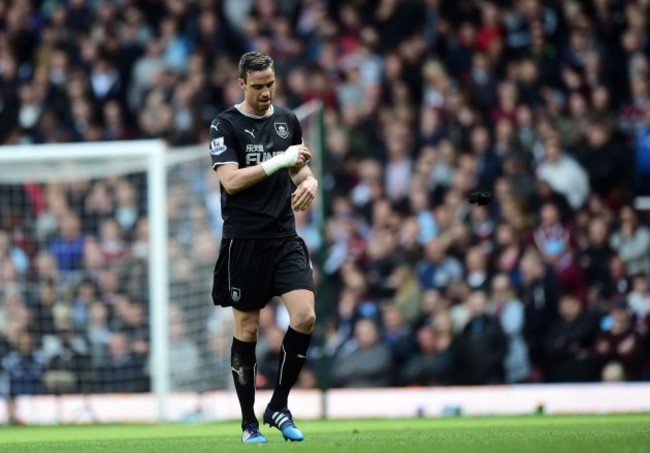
294, 282
243, 275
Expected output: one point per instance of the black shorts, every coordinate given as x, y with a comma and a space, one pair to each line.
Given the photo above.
249, 272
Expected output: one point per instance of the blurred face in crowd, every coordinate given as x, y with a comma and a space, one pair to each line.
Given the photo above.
621, 316
531, 268
505, 235
597, 135
628, 216
569, 308
118, 345
600, 98
393, 320
25, 343
597, 232
549, 215
476, 304
641, 284
70, 227
427, 340
366, 333
501, 288
475, 260
552, 151
434, 250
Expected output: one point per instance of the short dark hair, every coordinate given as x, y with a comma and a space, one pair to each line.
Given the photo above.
254, 61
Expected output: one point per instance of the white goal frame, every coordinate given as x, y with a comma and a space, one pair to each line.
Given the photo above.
155, 153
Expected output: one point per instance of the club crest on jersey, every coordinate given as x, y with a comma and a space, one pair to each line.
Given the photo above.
281, 129
235, 294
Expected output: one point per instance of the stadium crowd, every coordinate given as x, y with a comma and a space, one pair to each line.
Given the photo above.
545, 103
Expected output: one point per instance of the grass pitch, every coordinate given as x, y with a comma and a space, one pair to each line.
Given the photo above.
554, 434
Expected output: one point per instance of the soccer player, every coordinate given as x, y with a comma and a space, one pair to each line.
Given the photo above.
259, 156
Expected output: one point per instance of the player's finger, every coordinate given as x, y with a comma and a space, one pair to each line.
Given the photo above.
305, 153
301, 203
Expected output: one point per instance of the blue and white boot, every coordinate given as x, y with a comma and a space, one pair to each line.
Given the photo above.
252, 435
283, 420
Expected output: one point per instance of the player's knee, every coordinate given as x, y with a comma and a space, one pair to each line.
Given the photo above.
247, 332
304, 321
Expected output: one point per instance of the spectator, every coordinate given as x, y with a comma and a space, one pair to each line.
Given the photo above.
23, 368
436, 270
219, 375
481, 347
364, 361
121, 371
568, 343
98, 334
399, 338
642, 156
182, 350
557, 244
608, 164
69, 370
639, 297
507, 249
620, 344
509, 311
476, 268
432, 364
632, 241
594, 258
563, 174
86, 295
68, 246
22, 372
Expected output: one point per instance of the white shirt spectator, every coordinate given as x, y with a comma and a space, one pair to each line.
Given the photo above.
564, 175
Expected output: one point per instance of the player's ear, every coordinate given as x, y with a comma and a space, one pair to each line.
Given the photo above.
242, 83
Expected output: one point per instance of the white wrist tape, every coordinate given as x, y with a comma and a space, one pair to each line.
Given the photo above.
289, 158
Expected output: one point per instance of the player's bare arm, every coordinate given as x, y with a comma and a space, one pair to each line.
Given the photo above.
235, 179
307, 186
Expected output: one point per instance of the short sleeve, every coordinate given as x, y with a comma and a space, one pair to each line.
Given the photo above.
296, 139
222, 146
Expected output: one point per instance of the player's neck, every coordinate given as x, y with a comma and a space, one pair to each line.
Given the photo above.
247, 110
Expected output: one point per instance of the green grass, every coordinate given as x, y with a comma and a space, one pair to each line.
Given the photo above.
554, 434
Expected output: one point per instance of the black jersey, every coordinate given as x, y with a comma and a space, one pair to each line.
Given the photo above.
264, 209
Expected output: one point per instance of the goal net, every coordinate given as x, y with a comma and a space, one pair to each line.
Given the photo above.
106, 259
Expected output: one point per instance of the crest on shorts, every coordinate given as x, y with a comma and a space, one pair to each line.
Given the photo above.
281, 129
235, 294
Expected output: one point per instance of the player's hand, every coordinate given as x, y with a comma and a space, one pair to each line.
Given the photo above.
297, 155
304, 194
304, 156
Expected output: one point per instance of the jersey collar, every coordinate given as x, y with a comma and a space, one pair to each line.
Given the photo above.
268, 113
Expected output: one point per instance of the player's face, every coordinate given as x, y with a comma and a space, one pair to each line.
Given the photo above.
259, 89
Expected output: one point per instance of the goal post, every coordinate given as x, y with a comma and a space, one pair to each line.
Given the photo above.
68, 163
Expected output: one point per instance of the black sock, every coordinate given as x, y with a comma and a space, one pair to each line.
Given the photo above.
243, 366
292, 358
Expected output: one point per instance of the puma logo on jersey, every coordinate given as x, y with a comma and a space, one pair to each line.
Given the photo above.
214, 126
250, 132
